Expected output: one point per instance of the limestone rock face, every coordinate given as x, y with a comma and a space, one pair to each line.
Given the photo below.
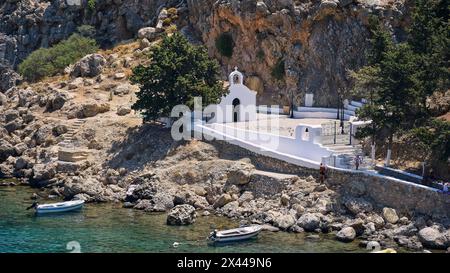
8, 77
181, 215
29, 25
319, 40
89, 66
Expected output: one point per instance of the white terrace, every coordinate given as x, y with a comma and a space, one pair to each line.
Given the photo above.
313, 136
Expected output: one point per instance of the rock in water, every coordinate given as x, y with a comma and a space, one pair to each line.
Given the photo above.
390, 215
181, 215
222, 200
346, 234
432, 238
309, 222
284, 222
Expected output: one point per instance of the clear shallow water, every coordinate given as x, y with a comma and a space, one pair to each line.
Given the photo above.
110, 228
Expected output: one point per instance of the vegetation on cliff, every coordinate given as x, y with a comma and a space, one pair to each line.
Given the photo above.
178, 72
51, 61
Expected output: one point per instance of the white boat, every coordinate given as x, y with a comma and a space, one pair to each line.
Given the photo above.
60, 207
236, 234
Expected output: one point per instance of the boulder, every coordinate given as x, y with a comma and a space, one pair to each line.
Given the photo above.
6, 150
285, 199
119, 76
432, 238
181, 215
27, 97
74, 84
89, 66
149, 33
358, 205
240, 176
59, 129
91, 109
13, 126
42, 172
22, 163
309, 222
57, 100
347, 234
284, 222
11, 115
162, 202
390, 215
123, 89
3, 99
123, 110
144, 205
222, 200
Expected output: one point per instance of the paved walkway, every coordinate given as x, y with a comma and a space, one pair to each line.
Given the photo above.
277, 124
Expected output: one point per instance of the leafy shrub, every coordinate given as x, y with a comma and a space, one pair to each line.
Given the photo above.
87, 31
51, 61
225, 44
91, 4
167, 22
278, 71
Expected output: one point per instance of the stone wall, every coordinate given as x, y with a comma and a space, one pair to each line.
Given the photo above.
406, 197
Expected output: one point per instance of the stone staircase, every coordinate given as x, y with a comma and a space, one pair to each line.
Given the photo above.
352, 106
69, 137
345, 156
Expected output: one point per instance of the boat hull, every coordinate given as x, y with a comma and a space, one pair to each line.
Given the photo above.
59, 207
235, 237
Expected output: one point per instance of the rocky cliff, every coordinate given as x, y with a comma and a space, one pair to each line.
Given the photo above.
318, 41
315, 41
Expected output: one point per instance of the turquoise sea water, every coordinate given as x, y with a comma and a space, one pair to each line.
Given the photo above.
110, 228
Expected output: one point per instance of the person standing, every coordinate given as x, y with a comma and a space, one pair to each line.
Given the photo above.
357, 162
322, 173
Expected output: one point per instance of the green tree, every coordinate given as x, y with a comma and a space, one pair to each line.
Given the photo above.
178, 73
434, 137
51, 61
390, 83
429, 37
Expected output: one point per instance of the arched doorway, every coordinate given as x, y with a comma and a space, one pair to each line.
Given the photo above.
236, 103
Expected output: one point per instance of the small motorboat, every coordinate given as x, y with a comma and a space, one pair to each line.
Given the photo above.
236, 234
58, 207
